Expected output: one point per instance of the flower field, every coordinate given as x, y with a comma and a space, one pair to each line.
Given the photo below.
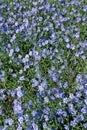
43, 64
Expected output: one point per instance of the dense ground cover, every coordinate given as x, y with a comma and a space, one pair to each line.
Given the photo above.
43, 65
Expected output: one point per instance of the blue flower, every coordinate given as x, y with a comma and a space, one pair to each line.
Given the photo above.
84, 110
20, 120
0, 110
85, 125
30, 104
66, 127
80, 118
26, 117
9, 121
73, 123
34, 112
44, 125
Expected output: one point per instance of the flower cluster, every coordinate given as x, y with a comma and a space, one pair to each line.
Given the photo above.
43, 80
